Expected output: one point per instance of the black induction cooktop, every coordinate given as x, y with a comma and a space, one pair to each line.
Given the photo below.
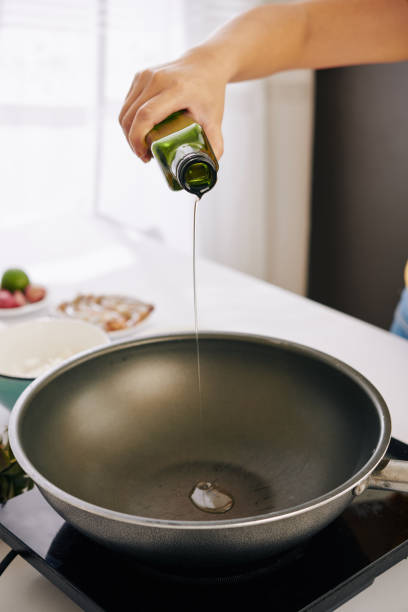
331, 567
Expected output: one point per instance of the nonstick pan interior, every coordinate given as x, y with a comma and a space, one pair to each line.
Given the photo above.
125, 429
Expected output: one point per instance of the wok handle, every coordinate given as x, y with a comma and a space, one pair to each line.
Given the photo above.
390, 475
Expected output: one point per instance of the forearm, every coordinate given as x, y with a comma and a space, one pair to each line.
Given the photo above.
311, 34
265, 40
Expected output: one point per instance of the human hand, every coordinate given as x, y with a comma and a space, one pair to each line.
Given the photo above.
195, 82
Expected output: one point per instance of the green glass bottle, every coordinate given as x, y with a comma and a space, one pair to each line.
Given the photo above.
184, 153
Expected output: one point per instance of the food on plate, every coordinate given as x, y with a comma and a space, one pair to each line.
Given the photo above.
14, 279
110, 312
35, 293
17, 290
19, 298
7, 299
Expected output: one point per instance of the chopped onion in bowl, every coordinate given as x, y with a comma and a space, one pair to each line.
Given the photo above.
34, 366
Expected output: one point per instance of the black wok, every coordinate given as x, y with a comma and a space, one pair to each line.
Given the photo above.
116, 438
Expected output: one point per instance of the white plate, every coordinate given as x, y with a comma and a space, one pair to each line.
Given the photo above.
131, 331
19, 311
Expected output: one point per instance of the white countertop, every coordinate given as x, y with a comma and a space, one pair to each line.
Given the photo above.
95, 257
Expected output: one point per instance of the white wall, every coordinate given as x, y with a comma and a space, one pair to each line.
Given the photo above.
289, 159
233, 216
257, 217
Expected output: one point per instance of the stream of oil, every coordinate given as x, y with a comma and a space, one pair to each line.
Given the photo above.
205, 495
196, 315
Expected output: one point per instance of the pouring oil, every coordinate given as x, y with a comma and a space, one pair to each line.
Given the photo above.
196, 312
187, 161
205, 495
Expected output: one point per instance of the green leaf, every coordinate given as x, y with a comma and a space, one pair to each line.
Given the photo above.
13, 470
11, 491
4, 459
13, 480
3, 489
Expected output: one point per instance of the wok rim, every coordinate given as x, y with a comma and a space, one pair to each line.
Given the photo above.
360, 476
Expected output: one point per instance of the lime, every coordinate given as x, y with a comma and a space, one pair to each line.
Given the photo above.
14, 280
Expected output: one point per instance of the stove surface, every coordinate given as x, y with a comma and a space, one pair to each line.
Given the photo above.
331, 567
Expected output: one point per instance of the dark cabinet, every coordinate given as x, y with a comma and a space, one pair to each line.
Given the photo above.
359, 229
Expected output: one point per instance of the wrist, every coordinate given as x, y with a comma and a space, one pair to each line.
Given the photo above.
215, 58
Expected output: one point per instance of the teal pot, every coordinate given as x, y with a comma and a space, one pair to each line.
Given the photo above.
11, 388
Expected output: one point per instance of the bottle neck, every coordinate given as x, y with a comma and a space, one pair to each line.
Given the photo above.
194, 170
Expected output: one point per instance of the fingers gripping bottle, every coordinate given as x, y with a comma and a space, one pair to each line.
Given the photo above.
183, 151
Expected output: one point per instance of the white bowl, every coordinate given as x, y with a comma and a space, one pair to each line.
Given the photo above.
31, 348
24, 311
